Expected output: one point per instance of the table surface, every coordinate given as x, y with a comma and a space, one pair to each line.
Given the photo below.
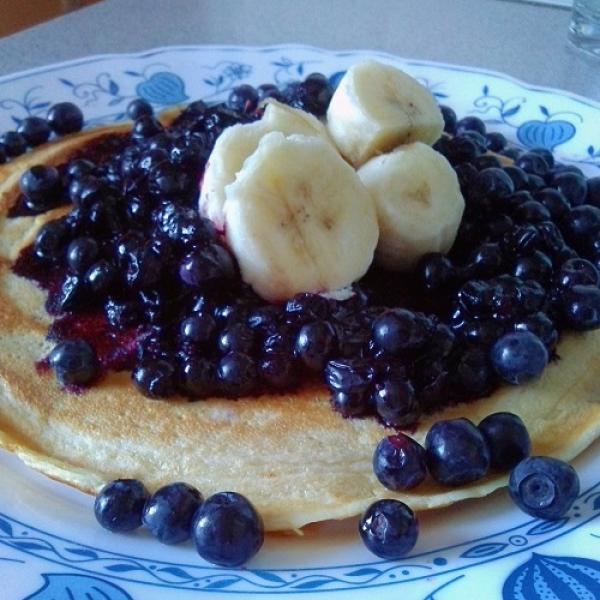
527, 41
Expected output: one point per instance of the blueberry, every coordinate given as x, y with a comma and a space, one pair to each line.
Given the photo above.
13, 143
531, 211
450, 119
507, 438
518, 176
389, 529
577, 271
227, 530
41, 186
35, 130
80, 167
541, 325
86, 190
476, 296
154, 378
50, 241
545, 154
436, 271
169, 512
535, 182
312, 95
573, 186
349, 374
486, 161
486, 260
555, 202
543, 487
139, 108
100, 276
303, 308
470, 124
81, 253
207, 264
473, 374
315, 343
581, 307
121, 313
533, 164
398, 330
238, 337
268, 90
496, 142
519, 357
198, 377
492, 183
64, 118
581, 222
395, 402
197, 329
535, 266
74, 362
146, 127
351, 404
120, 503
457, 453
264, 318
399, 462
461, 150
237, 374
243, 98
279, 370
71, 295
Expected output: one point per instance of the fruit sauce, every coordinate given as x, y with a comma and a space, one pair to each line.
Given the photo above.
138, 280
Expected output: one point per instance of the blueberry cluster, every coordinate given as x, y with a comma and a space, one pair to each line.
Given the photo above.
456, 453
62, 118
135, 254
225, 527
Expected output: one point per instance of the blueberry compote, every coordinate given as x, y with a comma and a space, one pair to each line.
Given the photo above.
138, 274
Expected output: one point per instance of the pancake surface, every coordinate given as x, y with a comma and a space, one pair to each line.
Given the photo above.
296, 459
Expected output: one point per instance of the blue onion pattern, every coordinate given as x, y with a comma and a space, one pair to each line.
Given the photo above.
70, 586
554, 578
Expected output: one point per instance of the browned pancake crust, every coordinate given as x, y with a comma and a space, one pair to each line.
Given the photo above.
292, 455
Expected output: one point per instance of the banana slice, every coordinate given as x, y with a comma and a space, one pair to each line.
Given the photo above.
238, 142
298, 219
418, 201
377, 107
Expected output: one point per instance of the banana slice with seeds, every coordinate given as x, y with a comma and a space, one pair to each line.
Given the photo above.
376, 108
298, 219
238, 142
418, 201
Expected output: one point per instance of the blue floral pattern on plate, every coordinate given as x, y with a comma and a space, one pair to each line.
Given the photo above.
69, 565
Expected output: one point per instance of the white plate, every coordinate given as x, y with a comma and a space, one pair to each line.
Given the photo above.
50, 545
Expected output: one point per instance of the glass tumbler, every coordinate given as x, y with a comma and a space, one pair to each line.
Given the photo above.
584, 29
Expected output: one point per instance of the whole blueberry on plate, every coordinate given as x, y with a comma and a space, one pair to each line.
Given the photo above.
227, 530
507, 438
399, 462
543, 487
389, 529
65, 117
519, 357
169, 512
457, 452
120, 503
35, 130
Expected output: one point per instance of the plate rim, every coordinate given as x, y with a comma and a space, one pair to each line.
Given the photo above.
91, 58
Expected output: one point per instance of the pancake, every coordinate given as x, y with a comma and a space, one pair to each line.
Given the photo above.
296, 459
